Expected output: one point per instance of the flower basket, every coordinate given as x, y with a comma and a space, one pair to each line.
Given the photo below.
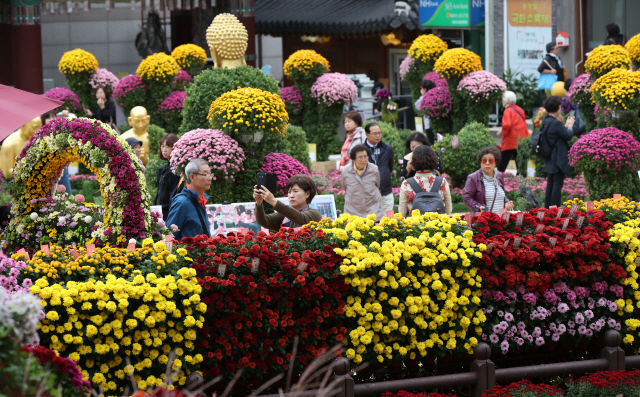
246, 111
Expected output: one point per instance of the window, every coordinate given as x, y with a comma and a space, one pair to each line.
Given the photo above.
600, 13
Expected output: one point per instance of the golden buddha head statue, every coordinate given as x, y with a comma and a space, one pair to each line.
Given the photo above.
227, 38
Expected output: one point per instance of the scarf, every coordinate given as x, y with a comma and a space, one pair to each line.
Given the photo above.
557, 58
201, 199
360, 173
344, 152
286, 222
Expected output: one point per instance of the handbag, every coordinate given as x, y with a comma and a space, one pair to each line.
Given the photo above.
546, 81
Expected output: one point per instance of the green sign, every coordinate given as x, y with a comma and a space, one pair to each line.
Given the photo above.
445, 13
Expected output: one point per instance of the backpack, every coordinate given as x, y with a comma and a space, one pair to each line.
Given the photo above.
427, 201
540, 145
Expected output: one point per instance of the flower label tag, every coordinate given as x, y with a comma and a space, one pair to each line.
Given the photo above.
467, 218
302, 266
589, 205
506, 243
131, 246
569, 238
539, 229
74, 253
580, 221
255, 265
531, 242
540, 215
559, 214
440, 137
222, 268
552, 241
390, 214
45, 249
636, 234
168, 237
169, 245
574, 208
565, 224
553, 206
637, 261
516, 242
90, 249
25, 253
617, 196
519, 219
506, 216
489, 248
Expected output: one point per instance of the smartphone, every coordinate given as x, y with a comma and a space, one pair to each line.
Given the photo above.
261, 180
572, 113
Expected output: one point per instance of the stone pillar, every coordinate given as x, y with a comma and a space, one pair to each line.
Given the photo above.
26, 54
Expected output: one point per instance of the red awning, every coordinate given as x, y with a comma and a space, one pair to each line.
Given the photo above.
18, 107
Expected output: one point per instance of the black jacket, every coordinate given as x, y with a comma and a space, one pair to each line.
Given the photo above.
554, 64
382, 156
618, 39
404, 175
558, 136
167, 183
107, 114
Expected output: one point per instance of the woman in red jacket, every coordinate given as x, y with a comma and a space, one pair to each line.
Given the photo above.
514, 127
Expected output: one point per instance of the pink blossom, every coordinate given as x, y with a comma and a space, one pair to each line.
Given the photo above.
482, 85
405, 66
70, 99
436, 79
436, 103
103, 78
333, 89
284, 166
292, 99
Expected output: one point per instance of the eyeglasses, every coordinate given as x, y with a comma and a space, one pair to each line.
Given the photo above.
487, 161
379, 133
207, 176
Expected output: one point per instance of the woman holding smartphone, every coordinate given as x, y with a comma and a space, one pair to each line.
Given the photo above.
300, 191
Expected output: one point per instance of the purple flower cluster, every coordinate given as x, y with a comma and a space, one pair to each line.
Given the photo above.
292, 99
580, 88
181, 81
63, 94
405, 66
610, 148
438, 80
436, 103
126, 85
103, 78
9, 271
334, 89
221, 152
383, 94
284, 166
482, 85
173, 103
523, 318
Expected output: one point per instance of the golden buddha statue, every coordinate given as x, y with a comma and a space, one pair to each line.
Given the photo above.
227, 38
13, 145
139, 120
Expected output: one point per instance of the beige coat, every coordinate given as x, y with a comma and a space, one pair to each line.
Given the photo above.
362, 193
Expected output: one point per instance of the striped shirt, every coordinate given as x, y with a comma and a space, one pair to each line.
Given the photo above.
490, 186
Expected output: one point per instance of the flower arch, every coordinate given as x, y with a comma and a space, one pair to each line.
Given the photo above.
105, 153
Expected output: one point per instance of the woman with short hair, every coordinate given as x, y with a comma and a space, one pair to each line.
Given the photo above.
484, 189
424, 161
361, 183
514, 128
355, 135
416, 139
300, 190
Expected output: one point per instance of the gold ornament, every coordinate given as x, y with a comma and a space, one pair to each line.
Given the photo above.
227, 38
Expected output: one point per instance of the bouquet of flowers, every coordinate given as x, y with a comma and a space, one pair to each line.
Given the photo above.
537, 121
171, 111
182, 81
285, 167
70, 99
383, 94
334, 89
221, 152
190, 57
103, 78
77, 67
245, 111
606, 58
130, 92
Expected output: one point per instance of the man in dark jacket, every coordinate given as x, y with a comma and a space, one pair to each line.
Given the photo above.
557, 165
188, 208
614, 37
381, 154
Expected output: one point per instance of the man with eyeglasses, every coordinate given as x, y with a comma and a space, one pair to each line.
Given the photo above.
381, 154
188, 208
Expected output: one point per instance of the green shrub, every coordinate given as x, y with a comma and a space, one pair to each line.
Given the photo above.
211, 84
153, 165
525, 87
460, 162
155, 135
122, 128
296, 145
